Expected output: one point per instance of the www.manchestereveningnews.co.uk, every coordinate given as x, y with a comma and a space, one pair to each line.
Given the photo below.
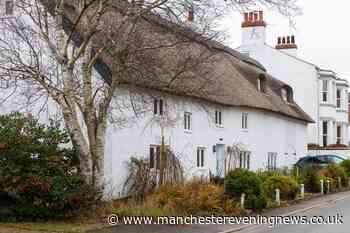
189, 220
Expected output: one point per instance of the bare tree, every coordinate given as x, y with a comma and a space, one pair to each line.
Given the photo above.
54, 46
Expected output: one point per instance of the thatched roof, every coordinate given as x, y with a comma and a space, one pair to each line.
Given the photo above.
210, 70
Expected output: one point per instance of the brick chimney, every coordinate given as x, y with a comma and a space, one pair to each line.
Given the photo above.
253, 28
287, 44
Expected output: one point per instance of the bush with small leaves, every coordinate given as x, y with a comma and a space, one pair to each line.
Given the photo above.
39, 174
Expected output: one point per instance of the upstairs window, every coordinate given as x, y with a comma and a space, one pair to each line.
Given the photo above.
284, 94
244, 120
188, 121
261, 84
9, 7
200, 156
158, 107
4, 83
338, 98
325, 90
218, 117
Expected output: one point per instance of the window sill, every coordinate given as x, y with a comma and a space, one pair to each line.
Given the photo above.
219, 126
187, 131
245, 130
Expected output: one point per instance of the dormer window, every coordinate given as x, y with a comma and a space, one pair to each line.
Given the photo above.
287, 94
261, 83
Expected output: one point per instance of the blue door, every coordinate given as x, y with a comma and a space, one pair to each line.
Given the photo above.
220, 160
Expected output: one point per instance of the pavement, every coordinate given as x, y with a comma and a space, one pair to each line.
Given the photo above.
327, 205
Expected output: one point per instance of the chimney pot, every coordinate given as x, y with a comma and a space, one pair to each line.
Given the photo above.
256, 16
293, 39
261, 16
288, 39
246, 17
250, 16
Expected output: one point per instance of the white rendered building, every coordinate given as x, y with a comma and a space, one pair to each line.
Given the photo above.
321, 93
242, 106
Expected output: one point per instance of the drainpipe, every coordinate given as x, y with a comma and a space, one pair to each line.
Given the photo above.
318, 108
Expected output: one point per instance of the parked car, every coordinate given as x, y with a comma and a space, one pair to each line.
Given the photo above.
319, 160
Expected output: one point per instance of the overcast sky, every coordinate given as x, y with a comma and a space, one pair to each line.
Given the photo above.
322, 33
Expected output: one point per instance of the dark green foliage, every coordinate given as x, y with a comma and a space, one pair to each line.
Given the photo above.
38, 176
334, 171
287, 185
242, 181
346, 165
311, 179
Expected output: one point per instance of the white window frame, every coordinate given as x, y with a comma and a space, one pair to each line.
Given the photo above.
284, 94
158, 107
339, 137
244, 123
188, 121
200, 157
244, 159
218, 117
338, 98
325, 134
4, 83
154, 157
271, 161
9, 12
325, 90
261, 84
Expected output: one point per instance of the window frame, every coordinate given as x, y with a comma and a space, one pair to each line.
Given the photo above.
158, 107
338, 98
325, 133
154, 157
339, 134
188, 121
261, 84
200, 157
9, 7
325, 91
218, 117
272, 161
4, 83
244, 160
244, 122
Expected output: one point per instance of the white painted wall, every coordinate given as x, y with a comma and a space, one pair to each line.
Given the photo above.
302, 77
306, 80
267, 132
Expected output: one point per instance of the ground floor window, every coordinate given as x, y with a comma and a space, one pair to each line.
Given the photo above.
325, 133
154, 156
339, 134
272, 161
200, 156
244, 159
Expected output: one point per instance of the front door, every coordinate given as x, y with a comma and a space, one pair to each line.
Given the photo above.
220, 160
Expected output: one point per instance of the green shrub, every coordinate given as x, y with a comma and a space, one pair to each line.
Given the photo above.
38, 174
288, 187
334, 171
310, 177
190, 198
346, 165
242, 181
